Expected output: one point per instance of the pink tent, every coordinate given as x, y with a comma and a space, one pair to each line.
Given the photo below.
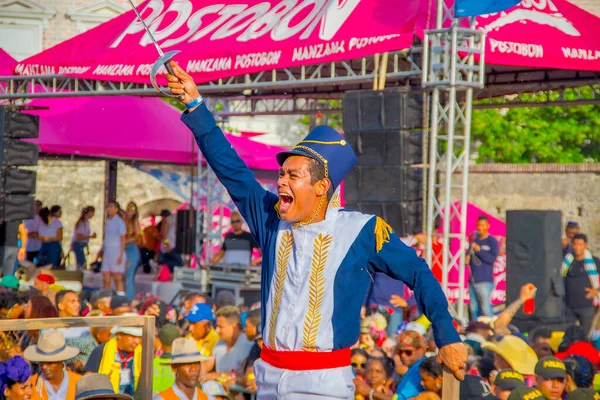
130, 128
546, 33
219, 39
6, 63
497, 230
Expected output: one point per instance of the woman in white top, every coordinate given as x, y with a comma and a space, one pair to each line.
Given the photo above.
82, 235
51, 234
113, 248
32, 226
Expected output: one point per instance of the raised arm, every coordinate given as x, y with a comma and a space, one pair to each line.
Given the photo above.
254, 202
401, 262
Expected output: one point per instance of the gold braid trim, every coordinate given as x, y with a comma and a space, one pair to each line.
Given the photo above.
335, 201
283, 256
382, 233
315, 292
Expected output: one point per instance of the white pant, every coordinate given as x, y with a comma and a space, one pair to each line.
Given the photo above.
275, 383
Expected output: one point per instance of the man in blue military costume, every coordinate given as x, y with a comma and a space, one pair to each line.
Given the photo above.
317, 259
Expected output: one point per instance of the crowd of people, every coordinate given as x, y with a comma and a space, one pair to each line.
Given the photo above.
204, 349
125, 245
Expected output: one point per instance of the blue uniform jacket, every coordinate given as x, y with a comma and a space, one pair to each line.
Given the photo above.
354, 272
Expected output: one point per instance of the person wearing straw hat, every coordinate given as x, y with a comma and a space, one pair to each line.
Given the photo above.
185, 361
318, 258
120, 358
512, 352
54, 381
97, 387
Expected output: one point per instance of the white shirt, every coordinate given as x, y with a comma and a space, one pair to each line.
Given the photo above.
226, 361
33, 226
51, 229
82, 228
172, 231
61, 393
75, 333
113, 230
179, 394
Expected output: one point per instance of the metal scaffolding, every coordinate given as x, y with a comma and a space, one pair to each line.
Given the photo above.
449, 68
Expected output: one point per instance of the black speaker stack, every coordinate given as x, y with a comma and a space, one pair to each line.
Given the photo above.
185, 242
534, 255
385, 130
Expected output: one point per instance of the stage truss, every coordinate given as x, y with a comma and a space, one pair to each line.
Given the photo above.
444, 65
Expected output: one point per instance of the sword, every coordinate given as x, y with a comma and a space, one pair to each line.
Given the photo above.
164, 58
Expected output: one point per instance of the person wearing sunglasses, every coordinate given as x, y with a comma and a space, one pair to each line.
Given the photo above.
238, 244
358, 361
411, 349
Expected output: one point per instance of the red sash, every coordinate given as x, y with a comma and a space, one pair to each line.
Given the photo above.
305, 360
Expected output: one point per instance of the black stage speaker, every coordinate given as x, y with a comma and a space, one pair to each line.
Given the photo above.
185, 242
384, 129
534, 255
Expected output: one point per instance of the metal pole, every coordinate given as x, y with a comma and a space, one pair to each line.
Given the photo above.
468, 106
432, 177
147, 359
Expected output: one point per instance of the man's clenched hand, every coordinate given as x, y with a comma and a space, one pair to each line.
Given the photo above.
182, 83
454, 356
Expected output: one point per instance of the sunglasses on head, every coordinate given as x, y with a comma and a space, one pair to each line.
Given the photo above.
357, 365
408, 352
235, 221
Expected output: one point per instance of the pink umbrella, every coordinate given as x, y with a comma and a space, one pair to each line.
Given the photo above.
547, 33
219, 39
131, 128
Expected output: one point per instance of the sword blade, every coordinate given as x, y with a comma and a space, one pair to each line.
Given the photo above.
160, 52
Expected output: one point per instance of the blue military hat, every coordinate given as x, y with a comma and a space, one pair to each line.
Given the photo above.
327, 146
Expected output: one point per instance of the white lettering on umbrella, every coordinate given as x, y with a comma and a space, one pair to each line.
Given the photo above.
523, 49
156, 7
225, 14
283, 30
581, 54
267, 22
257, 59
241, 21
194, 23
359, 43
183, 9
334, 18
73, 69
209, 65
34, 69
318, 51
114, 70
282, 20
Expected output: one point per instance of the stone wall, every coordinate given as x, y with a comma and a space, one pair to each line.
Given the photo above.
576, 194
75, 184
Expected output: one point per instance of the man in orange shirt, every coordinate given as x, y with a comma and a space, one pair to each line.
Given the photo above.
54, 382
185, 361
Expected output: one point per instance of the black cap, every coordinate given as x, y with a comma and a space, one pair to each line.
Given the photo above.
119, 300
550, 368
509, 379
526, 393
474, 387
583, 394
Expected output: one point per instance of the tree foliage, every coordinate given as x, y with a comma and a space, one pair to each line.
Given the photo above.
537, 135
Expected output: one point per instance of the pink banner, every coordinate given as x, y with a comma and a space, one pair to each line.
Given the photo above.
220, 39
498, 231
542, 33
